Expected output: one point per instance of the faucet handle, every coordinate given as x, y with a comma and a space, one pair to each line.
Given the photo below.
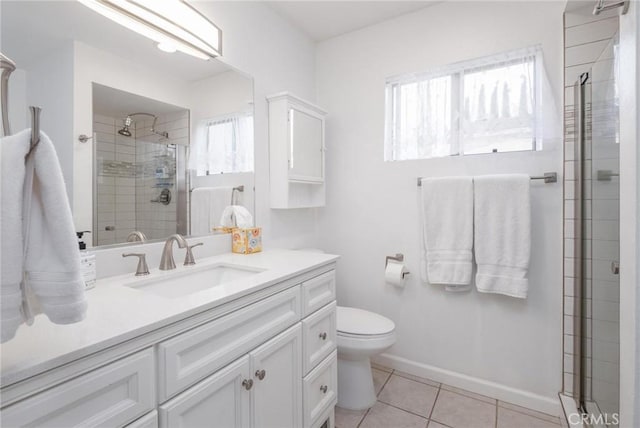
188, 259
142, 268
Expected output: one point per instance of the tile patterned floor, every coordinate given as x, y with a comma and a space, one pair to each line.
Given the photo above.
406, 401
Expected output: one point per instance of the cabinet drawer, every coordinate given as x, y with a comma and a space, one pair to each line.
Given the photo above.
319, 336
191, 356
320, 389
317, 292
109, 396
150, 420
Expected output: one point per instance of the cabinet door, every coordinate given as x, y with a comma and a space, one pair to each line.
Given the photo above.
276, 367
220, 400
306, 143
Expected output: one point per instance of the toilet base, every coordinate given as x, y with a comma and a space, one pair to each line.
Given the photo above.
355, 384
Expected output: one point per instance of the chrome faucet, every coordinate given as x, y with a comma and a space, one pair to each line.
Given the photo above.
136, 235
166, 261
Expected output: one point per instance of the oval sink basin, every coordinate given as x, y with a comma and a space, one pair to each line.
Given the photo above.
193, 280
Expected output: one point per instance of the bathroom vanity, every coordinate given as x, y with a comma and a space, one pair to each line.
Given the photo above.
256, 349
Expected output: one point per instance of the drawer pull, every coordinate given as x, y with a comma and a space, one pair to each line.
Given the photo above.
323, 336
247, 383
260, 374
324, 389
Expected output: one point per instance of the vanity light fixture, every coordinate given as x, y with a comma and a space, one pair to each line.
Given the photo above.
173, 24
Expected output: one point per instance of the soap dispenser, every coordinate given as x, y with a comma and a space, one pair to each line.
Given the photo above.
87, 262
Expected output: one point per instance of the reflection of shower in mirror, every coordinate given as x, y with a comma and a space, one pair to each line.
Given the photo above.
128, 121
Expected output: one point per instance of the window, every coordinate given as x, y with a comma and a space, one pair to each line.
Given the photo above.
223, 145
481, 106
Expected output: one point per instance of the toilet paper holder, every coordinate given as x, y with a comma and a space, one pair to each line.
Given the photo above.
399, 257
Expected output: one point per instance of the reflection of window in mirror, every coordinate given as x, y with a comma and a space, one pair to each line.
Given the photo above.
223, 145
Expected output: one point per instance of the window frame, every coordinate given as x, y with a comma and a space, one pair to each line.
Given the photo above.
457, 73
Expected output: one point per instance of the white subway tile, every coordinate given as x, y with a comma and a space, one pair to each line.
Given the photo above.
598, 30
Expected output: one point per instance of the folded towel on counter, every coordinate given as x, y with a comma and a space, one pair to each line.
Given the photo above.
447, 226
40, 256
502, 233
236, 216
207, 205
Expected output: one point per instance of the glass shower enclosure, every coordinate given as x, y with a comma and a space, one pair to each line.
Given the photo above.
597, 244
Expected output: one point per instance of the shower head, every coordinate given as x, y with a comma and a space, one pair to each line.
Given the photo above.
125, 129
128, 121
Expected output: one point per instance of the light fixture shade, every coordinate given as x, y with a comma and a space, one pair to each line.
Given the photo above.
170, 22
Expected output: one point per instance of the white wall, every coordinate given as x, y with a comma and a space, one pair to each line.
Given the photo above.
492, 344
56, 101
259, 42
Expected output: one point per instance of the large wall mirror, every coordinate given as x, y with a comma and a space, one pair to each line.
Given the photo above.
170, 137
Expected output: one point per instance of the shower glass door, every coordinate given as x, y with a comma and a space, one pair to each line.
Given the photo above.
601, 248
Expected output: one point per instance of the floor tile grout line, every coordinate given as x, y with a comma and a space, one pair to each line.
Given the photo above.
434, 402
404, 410
496, 422
527, 414
363, 417
469, 396
385, 383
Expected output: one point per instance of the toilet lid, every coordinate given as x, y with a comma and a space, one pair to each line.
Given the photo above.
359, 321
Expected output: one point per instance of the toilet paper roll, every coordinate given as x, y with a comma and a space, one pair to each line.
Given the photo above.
396, 274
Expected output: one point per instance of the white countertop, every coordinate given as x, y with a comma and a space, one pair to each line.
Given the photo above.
118, 313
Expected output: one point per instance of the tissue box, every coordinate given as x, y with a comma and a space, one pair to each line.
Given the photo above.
246, 241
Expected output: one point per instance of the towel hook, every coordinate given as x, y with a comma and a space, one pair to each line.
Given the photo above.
35, 129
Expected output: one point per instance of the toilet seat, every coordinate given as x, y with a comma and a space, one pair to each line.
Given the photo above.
358, 323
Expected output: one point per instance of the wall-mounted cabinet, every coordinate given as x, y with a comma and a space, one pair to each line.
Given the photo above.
296, 147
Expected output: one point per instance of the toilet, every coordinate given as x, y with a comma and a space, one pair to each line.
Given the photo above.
361, 335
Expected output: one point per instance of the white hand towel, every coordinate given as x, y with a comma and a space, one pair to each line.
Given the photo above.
50, 267
207, 205
503, 233
236, 216
447, 217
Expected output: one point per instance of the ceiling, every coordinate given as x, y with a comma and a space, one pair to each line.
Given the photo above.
31, 29
323, 20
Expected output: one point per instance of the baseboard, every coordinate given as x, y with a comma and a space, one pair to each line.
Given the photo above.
548, 405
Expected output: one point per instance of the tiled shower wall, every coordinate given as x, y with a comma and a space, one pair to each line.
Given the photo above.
156, 220
116, 183
128, 178
586, 38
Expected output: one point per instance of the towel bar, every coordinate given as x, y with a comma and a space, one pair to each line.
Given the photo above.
548, 177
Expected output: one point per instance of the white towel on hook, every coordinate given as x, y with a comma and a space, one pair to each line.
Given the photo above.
41, 262
503, 233
447, 231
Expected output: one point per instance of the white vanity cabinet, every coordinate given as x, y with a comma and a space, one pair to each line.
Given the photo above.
297, 152
270, 361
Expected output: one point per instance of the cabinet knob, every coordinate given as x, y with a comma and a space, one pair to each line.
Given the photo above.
323, 335
260, 374
247, 383
324, 389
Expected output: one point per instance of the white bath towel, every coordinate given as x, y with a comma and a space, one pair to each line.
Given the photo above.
447, 220
207, 205
43, 260
236, 216
502, 233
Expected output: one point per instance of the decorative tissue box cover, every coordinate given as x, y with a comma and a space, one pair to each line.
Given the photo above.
247, 241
